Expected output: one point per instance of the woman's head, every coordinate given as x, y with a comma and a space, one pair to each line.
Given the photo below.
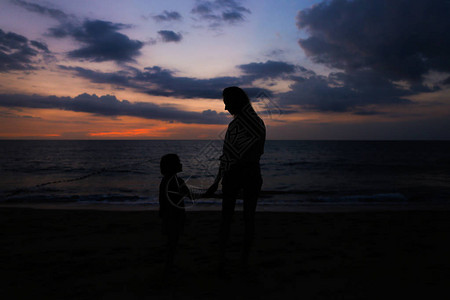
170, 164
235, 99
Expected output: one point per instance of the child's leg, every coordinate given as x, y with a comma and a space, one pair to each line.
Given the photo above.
172, 243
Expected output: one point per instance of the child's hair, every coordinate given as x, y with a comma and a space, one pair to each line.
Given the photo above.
169, 164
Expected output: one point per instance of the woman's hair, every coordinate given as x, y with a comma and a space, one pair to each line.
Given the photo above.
236, 97
169, 164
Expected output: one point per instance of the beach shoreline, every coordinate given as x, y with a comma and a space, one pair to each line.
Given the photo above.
297, 208
91, 254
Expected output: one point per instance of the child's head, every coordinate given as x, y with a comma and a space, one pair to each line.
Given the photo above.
170, 164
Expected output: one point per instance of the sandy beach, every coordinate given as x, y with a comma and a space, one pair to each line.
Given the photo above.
94, 254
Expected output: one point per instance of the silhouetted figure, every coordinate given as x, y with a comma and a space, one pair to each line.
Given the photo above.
239, 167
172, 192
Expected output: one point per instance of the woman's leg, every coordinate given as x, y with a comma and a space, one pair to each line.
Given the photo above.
228, 205
251, 194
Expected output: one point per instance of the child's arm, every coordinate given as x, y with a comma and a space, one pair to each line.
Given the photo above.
184, 190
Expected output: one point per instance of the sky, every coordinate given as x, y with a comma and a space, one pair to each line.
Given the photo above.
141, 69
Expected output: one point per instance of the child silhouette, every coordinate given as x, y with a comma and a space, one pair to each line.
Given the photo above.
172, 192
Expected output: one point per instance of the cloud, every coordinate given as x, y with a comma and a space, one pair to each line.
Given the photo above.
170, 36
40, 45
10, 115
337, 92
157, 81
51, 12
342, 92
376, 45
167, 16
368, 113
118, 78
19, 53
446, 81
232, 16
275, 53
101, 40
108, 105
169, 85
220, 12
268, 69
402, 40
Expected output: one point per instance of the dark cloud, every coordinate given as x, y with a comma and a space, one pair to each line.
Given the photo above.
169, 85
167, 16
119, 78
170, 36
12, 40
51, 12
446, 81
403, 40
203, 8
275, 53
338, 92
368, 113
268, 69
40, 45
110, 106
220, 12
376, 44
18, 53
157, 81
102, 41
342, 92
232, 16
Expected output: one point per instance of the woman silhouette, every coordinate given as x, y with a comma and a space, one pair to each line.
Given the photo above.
239, 167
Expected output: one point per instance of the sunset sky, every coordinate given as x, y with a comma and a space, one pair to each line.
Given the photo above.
142, 69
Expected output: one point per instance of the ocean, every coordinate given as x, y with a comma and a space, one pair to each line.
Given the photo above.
295, 173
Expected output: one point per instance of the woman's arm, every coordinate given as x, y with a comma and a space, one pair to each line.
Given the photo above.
213, 188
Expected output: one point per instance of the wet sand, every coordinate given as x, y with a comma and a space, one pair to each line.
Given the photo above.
94, 254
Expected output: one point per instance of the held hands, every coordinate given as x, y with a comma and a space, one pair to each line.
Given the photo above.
211, 190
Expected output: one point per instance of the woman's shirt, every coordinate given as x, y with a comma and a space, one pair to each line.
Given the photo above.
244, 140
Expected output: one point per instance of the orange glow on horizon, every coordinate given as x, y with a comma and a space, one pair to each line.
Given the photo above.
143, 132
29, 135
